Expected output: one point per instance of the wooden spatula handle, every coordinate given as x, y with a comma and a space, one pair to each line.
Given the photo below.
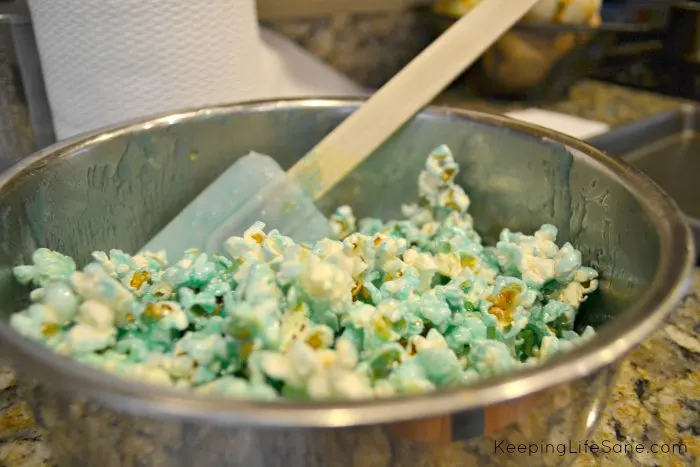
405, 94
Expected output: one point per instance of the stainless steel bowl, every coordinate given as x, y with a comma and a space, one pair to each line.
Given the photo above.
117, 187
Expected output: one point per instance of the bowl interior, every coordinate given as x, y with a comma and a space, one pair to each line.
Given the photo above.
117, 190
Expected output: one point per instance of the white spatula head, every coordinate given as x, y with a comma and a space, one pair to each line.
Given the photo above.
254, 188
280, 203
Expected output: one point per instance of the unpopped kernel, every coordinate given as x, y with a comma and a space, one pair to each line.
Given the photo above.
382, 309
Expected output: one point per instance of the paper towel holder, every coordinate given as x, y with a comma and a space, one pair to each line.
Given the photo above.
26, 124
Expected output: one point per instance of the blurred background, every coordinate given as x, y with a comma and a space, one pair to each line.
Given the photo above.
330, 47
647, 44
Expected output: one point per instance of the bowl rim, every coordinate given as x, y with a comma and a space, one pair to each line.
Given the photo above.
670, 285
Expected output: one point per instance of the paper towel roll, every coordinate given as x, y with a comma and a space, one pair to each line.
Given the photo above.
107, 61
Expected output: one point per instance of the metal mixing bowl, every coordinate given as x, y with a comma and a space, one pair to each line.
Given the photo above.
118, 187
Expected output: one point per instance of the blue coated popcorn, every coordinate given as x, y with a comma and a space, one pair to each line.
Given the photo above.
49, 266
380, 309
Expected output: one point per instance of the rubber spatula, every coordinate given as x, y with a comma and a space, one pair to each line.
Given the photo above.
256, 188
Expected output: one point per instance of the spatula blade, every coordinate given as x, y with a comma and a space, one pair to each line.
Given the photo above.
254, 188
281, 204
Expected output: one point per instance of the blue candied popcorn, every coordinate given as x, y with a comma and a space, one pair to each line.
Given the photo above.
204, 301
93, 283
491, 358
238, 388
568, 263
402, 287
441, 367
384, 359
432, 309
60, 298
461, 335
204, 348
370, 226
343, 222
48, 266
557, 315
217, 287
202, 271
38, 322
410, 378
135, 347
453, 296
248, 323
384, 309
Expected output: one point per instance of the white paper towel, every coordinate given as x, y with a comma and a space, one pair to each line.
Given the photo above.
107, 61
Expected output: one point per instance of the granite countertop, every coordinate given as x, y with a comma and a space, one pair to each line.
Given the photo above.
657, 396
593, 100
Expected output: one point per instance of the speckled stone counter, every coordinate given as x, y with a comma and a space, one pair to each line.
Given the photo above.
657, 396
594, 100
